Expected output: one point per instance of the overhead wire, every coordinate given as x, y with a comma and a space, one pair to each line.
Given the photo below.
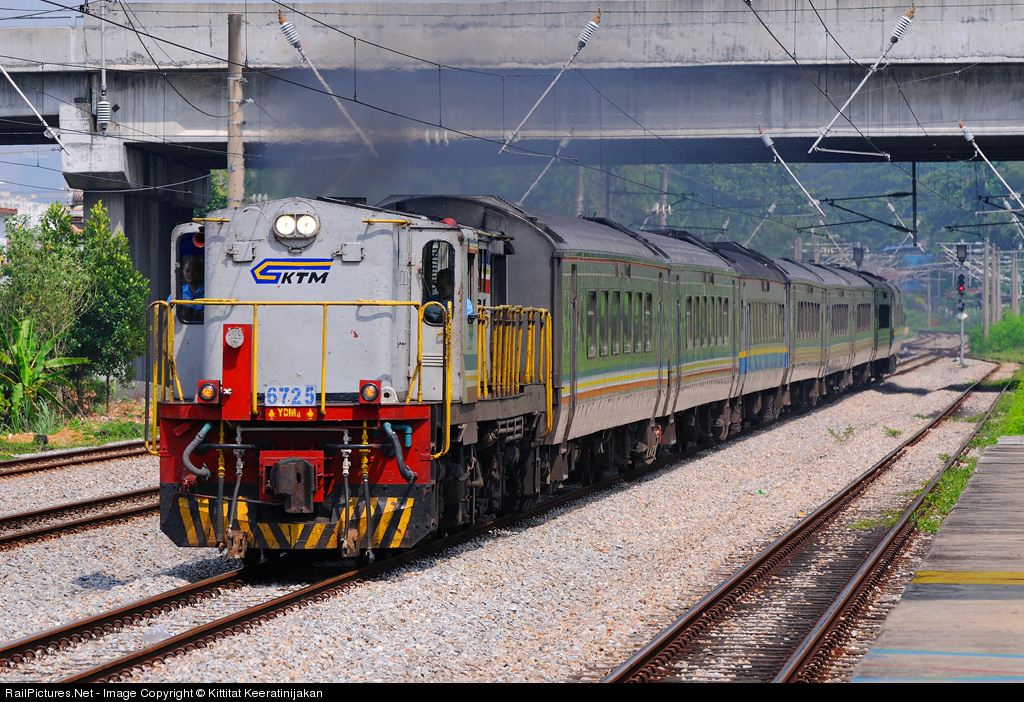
382, 110
163, 73
817, 87
269, 73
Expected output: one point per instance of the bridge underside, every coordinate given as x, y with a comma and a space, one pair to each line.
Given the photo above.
149, 167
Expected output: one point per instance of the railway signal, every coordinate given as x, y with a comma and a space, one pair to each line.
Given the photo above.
960, 285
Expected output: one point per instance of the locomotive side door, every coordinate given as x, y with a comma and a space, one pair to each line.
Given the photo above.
441, 282
187, 283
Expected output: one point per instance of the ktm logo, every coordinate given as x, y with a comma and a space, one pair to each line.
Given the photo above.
281, 271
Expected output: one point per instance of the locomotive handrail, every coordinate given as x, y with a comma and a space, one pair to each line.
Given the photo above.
164, 368
507, 376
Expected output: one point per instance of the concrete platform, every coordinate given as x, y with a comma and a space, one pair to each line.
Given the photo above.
962, 617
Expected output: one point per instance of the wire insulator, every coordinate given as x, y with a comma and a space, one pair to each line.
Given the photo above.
103, 113
289, 30
768, 141
588, 32
564, 142
900, 29
968, 135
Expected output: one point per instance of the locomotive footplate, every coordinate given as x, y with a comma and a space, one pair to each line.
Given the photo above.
400, 517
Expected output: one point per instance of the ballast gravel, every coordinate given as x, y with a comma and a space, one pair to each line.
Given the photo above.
562, 597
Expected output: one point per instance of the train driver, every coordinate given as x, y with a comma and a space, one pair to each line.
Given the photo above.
191, 289
444, 285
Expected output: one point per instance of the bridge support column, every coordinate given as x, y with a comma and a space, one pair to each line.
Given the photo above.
146, 193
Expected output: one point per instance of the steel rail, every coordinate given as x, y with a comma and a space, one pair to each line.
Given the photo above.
246, 619
29, 647
810, 658
657, 653
14, 520
69, 457
9, 541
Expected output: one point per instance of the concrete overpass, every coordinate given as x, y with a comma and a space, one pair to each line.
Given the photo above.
661, 82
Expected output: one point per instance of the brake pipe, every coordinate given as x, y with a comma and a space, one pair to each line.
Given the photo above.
186, 455
409, 476
239, 464
346, 464
219, 524
364, 473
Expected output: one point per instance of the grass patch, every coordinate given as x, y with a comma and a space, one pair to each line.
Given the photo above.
943, 497
1007, 419
843, 435
892, 432
124, 423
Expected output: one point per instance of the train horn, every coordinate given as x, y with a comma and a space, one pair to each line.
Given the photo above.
199, 239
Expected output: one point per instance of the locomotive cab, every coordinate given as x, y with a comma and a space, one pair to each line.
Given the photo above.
304, 394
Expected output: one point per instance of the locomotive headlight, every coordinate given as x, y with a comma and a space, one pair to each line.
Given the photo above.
306, 225
284, 225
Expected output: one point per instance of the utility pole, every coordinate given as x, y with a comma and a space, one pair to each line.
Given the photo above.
798, 250
997, 297
1015, 282
961, 286
663, 198
986, 298
236, 159
579, 191
928, 306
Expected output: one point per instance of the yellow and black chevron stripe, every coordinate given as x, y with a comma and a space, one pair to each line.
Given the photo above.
398, 521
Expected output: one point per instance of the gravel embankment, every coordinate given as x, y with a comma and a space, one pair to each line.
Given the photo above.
547, 601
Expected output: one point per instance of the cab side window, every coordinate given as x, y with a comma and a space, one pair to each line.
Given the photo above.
189, 279
438, 280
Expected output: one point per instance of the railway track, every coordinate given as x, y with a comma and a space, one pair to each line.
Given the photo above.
786, 613
70, 457
121, 666
76, 516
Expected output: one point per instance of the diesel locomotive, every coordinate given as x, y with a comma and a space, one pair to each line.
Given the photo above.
355, 379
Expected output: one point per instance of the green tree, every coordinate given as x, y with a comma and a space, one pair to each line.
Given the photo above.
110, 332
45, 276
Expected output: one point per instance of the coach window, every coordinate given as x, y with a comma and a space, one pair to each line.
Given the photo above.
591, 323
638, 332
604, 321
726, 336
616, 328
648, 322
689, 322
627, 322
883, 316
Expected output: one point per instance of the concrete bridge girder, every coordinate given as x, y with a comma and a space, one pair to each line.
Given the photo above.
698, 77
118, 173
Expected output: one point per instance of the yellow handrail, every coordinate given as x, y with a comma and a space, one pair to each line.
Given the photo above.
164, 370
500, 372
